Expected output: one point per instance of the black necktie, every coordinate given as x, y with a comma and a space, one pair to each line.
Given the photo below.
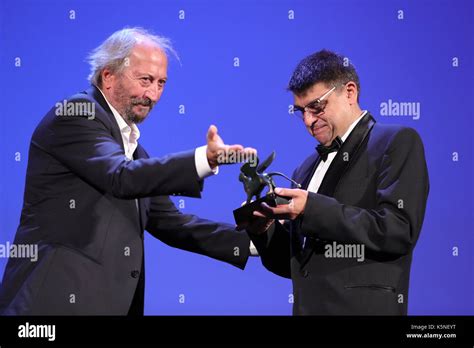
324, 151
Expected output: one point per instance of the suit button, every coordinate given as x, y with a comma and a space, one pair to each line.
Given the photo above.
304, 273
135, 274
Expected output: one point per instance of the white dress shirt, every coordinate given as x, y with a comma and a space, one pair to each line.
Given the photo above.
323, 166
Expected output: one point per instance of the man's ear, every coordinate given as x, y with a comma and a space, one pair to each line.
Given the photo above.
352, 92
107, 78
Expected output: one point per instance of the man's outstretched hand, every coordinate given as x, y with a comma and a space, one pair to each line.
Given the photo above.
219, 153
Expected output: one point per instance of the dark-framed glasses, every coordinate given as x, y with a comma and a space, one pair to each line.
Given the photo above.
314, 107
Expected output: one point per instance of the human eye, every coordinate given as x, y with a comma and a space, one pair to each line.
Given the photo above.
316, 107
145, 80
161, 83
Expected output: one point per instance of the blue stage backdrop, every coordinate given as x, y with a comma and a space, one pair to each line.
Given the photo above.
236, 58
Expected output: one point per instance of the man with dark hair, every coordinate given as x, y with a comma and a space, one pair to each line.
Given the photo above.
347, 236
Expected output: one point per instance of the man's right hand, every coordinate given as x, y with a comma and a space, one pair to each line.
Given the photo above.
217, 149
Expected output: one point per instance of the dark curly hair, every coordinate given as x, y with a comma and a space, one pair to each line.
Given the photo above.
323, 66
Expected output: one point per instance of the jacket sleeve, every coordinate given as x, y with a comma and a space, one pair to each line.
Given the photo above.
393, 226
188, 232
87, 148
273, 247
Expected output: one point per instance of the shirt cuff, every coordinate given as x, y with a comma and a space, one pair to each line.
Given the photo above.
202, 164
253, 249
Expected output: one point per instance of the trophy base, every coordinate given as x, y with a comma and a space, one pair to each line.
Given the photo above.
244, 215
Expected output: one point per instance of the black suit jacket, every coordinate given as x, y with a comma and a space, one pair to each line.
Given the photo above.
374, 194
80, 209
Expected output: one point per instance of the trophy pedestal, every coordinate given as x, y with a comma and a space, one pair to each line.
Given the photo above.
244, 215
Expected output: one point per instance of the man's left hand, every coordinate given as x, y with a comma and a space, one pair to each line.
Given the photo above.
289, 211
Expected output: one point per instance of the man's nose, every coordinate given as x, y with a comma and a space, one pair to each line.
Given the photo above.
153, 92
310, 117
307, 114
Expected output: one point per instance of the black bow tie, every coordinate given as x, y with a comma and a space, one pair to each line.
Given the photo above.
324, 151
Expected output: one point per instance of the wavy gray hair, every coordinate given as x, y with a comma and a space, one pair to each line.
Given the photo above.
117, 47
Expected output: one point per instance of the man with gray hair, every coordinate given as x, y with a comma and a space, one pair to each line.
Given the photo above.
91, 190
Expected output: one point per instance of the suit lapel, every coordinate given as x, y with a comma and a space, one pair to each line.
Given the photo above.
99, 98
343, 160
346, 155
304, 177
308, 174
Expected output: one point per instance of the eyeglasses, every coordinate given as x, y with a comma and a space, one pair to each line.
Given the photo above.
315, 107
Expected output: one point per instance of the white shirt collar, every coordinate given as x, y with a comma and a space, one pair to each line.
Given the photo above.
123, 126
351, 127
